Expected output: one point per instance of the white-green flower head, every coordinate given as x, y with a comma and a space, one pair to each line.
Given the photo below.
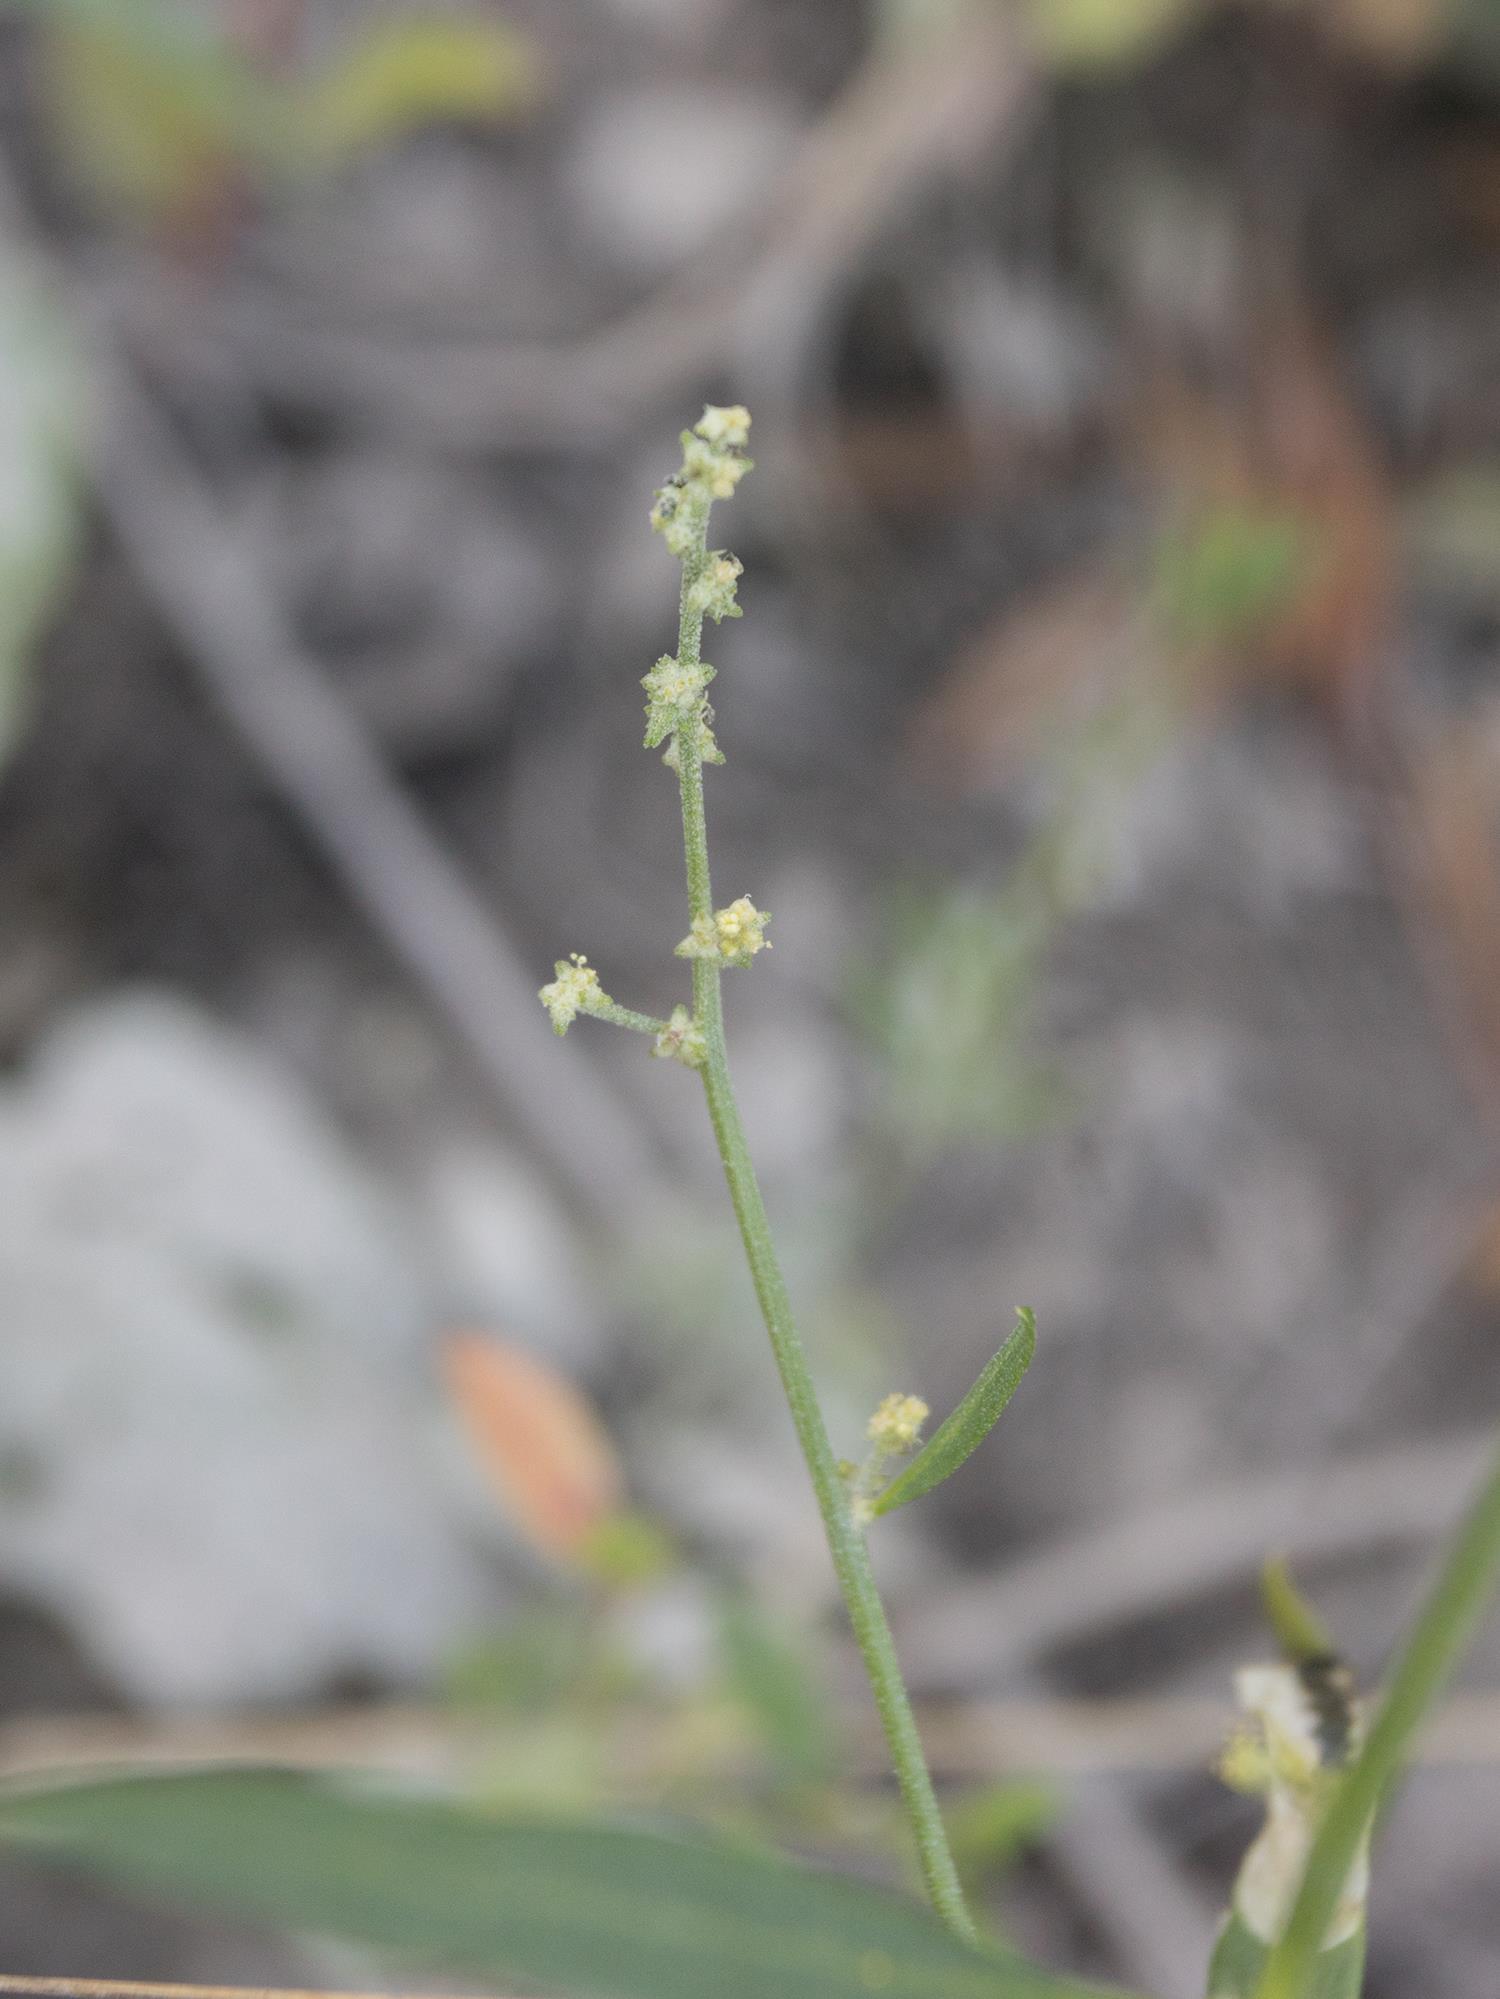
713, 464
675, 689
897, 1423
733, 936
681, 1040
728, 428
575, 990
711, 592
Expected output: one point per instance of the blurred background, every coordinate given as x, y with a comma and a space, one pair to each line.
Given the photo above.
1113, 730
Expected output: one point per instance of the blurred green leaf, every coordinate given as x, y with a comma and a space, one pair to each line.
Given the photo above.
777, 1686
1103, 34
971, 1422
990, 1828
43, 390
150, 102
949, 1005
406, 73
534, 1663
627, 1550
581, 1909
1300, 1632
1229, 572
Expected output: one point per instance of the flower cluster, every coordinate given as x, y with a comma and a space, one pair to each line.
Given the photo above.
711, 592
575, 990
732, 936
713, 464
894, 1429
675, 689
897, 1423
681, 1040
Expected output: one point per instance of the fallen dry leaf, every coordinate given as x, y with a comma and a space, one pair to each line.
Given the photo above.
543, 1447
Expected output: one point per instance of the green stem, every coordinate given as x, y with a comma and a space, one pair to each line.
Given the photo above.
1441, 1631
626, 1016
846, 1541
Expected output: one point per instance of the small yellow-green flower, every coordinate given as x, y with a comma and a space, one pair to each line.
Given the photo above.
679, 514
681, 1040
713, 464
732, 935
675, 691
897, 1423
717, 472
575, 990
725, 424
741, 931
712, 590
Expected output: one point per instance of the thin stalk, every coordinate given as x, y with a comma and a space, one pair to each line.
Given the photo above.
846, 1541
626, 1016
1447, 1618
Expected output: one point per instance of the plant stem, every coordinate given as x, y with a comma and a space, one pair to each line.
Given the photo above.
626, 1016
846, 1541
1443, 1627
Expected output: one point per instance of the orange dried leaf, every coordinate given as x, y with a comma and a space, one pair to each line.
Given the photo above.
543, 1447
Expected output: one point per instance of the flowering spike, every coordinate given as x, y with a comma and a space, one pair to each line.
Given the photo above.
713, 464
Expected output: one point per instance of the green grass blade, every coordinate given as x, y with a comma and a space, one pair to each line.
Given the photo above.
1240, 1958
1300, 1632
971, 1422
1453, 1608
591, 1911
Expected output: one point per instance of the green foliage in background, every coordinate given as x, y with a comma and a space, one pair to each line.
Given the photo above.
42, 411
1222, 576
948, 1006
151, 101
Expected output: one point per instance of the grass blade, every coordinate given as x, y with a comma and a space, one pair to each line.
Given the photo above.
1459, 1595
971, 1422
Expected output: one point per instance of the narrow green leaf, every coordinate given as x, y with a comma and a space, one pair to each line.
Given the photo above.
970, 1423
1300, 1632
1463, 1587
406, 72
590, 1911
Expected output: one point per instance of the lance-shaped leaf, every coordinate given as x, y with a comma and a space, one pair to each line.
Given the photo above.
971, 1422
1300, 1632
589, 1911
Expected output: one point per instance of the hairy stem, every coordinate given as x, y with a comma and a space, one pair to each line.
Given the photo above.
846, 1541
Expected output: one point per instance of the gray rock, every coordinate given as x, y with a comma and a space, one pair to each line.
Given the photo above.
213, 1456
656, 172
